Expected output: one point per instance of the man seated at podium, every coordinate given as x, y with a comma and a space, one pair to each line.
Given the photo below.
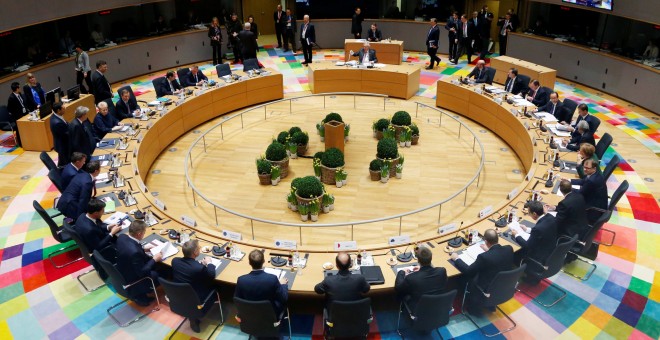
479, 72
374, 33
344, 286
366, 55
258, 285
105, 123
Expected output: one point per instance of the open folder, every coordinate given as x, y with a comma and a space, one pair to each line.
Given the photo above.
165, 248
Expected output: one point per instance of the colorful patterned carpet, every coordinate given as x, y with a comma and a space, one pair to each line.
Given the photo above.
621, 300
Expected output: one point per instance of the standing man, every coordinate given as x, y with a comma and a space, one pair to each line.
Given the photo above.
343, 286
432, 42
34, 93
60, 130
290, 31
259, 285
486, 18
475, 22
465, 38
82, 69
278, 17
507, 26
17, 106
411, 285
100, 84
248, 42
356, 24
307, 39
540, 244
81, 134
452, 33
233, 28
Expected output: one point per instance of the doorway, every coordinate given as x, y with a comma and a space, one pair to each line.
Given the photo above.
262, 10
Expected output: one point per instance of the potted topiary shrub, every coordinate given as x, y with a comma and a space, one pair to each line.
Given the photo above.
293, 130
263, 170
276, 155
308, 188
331, 159
374, 169
399, 120
381, 125
300, 139
282, 137
333, 116
414, 129
387, 150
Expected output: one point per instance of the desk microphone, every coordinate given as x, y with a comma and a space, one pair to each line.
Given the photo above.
542, 127
406, 256
279, 260
219, 250
457, 241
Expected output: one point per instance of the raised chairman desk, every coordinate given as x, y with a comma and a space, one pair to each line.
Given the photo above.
387, 52
502, 64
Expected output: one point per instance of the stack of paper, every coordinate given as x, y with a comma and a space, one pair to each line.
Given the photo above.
165, 248
546, 116
470, 254
516, 226
102, 177
114, 218
553, 128
405, 269
274, 271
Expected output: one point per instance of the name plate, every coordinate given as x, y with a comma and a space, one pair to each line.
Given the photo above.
135, 169
487, 210
399, 239
345, 245
189, 221
198, 92
150, 125
160, 204
232, 235
512, 194
135, 151
139, 138
286, 244
529, 174
447, 228
180, 101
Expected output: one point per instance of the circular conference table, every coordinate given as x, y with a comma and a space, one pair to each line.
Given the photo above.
156, 134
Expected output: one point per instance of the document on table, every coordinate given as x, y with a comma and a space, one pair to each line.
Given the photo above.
215, 261
165, 248
522, 102
406, 268
516, 226
102, 177
274, 271
116, 217
470, 254
556, 131
546, 116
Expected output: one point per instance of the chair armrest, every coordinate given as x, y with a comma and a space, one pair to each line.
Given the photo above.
537, 262
596, 209
58, 214
404, 304
140, 280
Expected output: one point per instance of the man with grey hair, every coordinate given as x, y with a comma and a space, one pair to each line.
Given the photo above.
81, 133
479, 72
583, 136
307, 39
423, 280
248, 41
105, 123
366, 55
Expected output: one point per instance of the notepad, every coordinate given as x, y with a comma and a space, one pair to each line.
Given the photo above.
102, 177
516, 226
273, 271
109, 205
167, 249
470, 254
406, 268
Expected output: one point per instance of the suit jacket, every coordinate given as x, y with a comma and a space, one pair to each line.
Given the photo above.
68, 173
433, 37
190, 81
518, 85
124, 110
259, 286
360, 55
60, 130
479, 77
427, 280
95, 234
166, 89
591, 120
511, 25
342, 286
574, 143
542, 241
461, 33
374, 36
281, 21
580, 167
498, 258
199, 276
452, 24
104, 124
559, 111
215, 32
594, 191
101, 87
81, 137
133, 263
310, 34
77, 194
356, 23
31, 103
293, 26
542, 96
249, 45
571, 215
15, 108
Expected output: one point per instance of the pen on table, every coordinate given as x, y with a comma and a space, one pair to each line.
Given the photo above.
168, 221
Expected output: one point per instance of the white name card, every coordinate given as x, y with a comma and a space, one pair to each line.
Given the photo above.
529, 174
487, 210
135, 151
286, 244
160, 204
180, 101
399, 239
198, 92
141, 185
232, 235
139, 138
512, 194
447, 228
188, 221
345, 245
150, 125
135, 169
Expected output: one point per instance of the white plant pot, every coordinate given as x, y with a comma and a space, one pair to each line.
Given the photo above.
318, 177
399, 175
339, 184
294, 207
332, 207
288, 153
402, 144
345, 138
384, 179
293, 155
275, 181
344, 181
408, 143
322, 139
315, 218
304, 218
326, 209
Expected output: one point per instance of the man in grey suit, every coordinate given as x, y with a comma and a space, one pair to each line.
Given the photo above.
366, 54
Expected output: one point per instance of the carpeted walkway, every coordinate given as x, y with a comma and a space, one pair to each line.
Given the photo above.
621, 300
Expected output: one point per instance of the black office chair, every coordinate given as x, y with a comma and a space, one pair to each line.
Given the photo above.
614, 200
499, 291
596, 124
602, 145
570, 106
112, 109
84, 251
587, 248
185, 302
56, 179
250, 64
182, 74
552, 266
7, 124
431, 312
223, 70
58, 234
609, 168
490, 75
132, 99
258, 319
120, 286
157, 84
347, 319
525, 80
48, 162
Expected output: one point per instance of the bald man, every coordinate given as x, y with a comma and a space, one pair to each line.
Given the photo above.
343, 286
479, 72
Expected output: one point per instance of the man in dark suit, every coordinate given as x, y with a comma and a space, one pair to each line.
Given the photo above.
170, 86
496, 258
290, 30
104, 122
70, 170
356, 23
200, 275
102, 90
259, 285
479, 72
33, 93
307, 39
17, 107
513, 83
537, 94
555, 107
196, 77
81, 134
506, 25
343, 286
432, 43
126, 108
366, 54
248, 41
60, 130
541, 242
410, 286
466, 31
374, 34
134, 264
80, 190
583, 136
279, 19
452, 34
95, 233
571, 216
485, 19
593, 189
583, 114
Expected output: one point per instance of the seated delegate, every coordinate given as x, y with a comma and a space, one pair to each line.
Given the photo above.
426, 280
